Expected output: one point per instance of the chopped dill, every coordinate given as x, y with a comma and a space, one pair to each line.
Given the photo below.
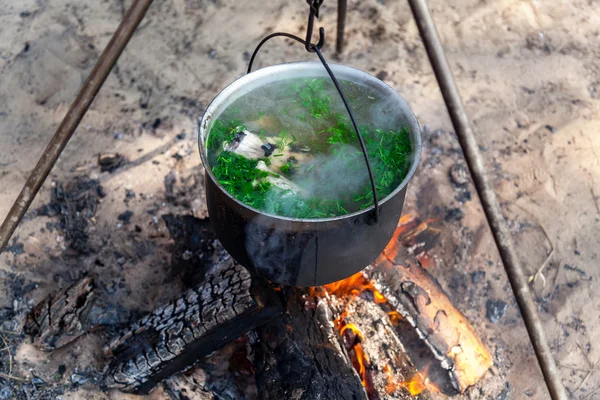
389, 152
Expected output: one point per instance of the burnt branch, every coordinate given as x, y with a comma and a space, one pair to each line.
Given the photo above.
173, 337
62, 316
298, 356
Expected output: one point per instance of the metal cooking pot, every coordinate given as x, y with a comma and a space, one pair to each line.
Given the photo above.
303, 252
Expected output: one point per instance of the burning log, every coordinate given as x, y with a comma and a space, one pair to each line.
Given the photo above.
298, 356
61, 317
422, 302
383, 364
225, 306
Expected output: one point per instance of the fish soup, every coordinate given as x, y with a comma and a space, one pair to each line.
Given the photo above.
290, 149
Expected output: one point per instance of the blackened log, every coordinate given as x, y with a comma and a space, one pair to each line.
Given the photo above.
422, 302
62, 316
172, 338
298, 356
388, 371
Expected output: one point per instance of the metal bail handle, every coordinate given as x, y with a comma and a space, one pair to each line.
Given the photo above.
316, 48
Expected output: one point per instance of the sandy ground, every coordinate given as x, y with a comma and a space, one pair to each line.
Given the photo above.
529, 74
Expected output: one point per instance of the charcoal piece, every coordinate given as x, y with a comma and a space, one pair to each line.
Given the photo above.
109, 162
477, 276
300, 354
61, 317
159, 345
458, 174
495, 310
125, 216
15, 248
454, 214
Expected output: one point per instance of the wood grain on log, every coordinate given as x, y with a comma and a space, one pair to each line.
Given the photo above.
61, 317
172, 338
446, 331
389, 373
298, 356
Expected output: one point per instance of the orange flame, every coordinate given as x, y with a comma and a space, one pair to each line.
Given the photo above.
352, 287
361, 359
395, 317
352, 328
406, 234
416, 385
408, 229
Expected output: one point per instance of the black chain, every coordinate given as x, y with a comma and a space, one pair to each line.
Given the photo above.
316, 48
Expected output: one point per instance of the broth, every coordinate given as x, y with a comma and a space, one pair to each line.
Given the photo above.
290, 148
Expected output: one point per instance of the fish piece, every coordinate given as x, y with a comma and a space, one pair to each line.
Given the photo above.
251, 146
279, 181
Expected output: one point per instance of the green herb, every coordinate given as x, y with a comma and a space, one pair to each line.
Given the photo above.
312, 97
222, 132
240, 177
283, 140
266, 160
287, 168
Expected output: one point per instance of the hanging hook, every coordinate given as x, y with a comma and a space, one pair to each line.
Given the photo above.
314, 12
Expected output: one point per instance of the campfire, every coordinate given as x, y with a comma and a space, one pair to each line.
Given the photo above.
386, 332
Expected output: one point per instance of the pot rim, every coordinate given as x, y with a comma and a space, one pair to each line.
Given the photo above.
261, 74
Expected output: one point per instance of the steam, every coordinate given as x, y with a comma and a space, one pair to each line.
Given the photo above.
333, 176
338, 173
384, 114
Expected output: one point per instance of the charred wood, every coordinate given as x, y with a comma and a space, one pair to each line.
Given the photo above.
62, 316
446, 331
388, 373
173, 337
298, 356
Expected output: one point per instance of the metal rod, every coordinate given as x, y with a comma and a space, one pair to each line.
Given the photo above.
341, 25
490, 203
84, 99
